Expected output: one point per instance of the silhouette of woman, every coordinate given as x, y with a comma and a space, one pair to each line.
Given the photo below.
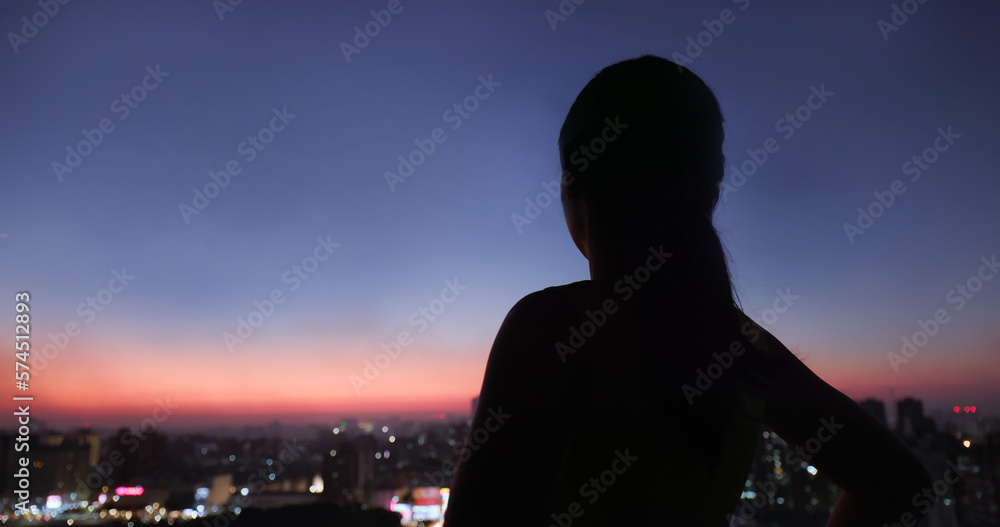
637, 397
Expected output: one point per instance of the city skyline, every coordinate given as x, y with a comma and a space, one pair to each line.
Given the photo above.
237, 423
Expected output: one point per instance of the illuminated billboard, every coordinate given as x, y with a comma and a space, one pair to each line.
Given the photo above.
129, 491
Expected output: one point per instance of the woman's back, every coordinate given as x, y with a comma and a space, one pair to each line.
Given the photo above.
585, 437
688, 451
637, 396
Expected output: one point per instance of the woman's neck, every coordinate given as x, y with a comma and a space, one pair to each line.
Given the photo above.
684, 257
627, 249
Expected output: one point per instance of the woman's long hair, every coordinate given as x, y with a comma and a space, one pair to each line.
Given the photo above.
662, 168
659, 129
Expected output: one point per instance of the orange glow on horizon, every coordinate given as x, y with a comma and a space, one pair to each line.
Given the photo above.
257, 385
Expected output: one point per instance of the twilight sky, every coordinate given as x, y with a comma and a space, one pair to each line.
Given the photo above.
308, 128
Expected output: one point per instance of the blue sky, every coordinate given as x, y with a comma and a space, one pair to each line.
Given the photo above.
323, 175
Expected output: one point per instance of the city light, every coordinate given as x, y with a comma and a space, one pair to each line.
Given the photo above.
128, 491
317, 484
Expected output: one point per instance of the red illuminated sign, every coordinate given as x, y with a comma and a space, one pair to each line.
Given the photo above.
129, 491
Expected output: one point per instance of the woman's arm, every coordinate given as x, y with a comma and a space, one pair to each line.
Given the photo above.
525, 415
878, 474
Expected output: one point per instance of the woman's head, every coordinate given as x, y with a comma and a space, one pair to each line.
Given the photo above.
641, 150
641, 146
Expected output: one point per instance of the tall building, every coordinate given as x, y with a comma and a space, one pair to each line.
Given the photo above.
82, 437
876, 408
58, 466
349, 470
910, 417
142, 457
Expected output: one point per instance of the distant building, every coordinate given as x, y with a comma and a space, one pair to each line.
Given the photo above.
219, 490
82, 437
58, 464
910, 420
876, 408
140, 456
349, 471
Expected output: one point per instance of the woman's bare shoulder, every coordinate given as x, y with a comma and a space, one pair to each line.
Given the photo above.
550, 305
557, 296
537, 323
